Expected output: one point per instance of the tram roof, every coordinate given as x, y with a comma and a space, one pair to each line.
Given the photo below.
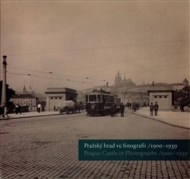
96, 92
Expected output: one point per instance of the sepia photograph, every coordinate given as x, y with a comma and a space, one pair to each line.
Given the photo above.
94, 89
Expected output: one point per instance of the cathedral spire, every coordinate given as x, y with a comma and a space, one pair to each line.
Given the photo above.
122, 81
24, 91
118, 78
30, 90
124, 77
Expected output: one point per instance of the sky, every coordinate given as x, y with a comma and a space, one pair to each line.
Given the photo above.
81, 44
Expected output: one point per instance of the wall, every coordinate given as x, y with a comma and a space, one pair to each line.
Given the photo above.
164, 99
31, 102
53, 100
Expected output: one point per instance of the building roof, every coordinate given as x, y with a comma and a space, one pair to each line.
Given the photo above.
60, 90
160, 89
23, 96
177, 84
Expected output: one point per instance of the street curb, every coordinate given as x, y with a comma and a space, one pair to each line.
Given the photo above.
20, 117
159, 120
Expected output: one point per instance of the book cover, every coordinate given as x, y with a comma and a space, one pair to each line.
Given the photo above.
94, 89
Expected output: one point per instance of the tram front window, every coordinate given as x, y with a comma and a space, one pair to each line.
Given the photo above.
92, 98
99, 98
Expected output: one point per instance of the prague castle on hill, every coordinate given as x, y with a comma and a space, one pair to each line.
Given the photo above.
128, 91
119, 82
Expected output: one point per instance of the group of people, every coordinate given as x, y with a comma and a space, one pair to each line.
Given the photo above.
78, 107
154, 109
114, 109
4, 110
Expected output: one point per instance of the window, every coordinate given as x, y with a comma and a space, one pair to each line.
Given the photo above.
155, 96
60, 97
92, 98
160, 96
51, 97
99, 98
165, 96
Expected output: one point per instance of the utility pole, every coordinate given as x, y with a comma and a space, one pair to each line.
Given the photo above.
4, 80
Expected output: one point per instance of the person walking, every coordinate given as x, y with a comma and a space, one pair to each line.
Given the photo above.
134, 106
1, 111
112, 110
182, 107
151, 107
6, 112
19, 109
156, 107
39, 107
16, 108
115, 110
122, 109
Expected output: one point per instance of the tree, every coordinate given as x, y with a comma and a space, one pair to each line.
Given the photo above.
9, 92
182, 97
186, 96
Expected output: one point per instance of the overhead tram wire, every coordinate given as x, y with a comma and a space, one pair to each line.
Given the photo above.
163, 68
158, 68
53, 73
132, 60
99, 48
36, 76
43, 77
82, 77
38, 71
88, 78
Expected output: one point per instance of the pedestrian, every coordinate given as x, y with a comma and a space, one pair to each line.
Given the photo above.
112, 110
6, 111
19, 109
115, 109
1, 111
156, 107
39, 107
151, 107
16, 109
134, 106
122, 109
182, 107
78, 107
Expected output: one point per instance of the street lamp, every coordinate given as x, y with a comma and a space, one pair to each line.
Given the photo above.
4, 80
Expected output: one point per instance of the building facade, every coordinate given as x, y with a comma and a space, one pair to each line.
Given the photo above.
55, 95
25, 100
163, 96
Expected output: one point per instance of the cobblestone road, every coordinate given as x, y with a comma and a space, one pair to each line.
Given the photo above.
47, 148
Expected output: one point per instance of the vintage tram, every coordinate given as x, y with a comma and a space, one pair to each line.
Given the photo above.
99, 102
